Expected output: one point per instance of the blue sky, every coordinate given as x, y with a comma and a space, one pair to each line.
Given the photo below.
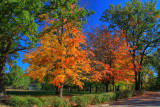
99, 6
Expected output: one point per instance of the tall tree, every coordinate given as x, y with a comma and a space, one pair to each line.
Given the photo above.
112, 53
140, 22
18, 30
60, 55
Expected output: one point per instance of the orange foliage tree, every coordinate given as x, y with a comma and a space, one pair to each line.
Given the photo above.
112, 56
60, 57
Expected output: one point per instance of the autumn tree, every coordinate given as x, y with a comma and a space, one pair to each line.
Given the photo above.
60, 55
140, 23
112, 56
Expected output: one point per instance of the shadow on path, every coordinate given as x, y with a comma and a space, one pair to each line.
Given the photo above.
150, 99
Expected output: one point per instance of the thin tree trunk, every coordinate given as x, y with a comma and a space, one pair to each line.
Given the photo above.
78, 89
107, 87
139, 80
113, 87
2, 77
69, 89
90, 88
61, 91
57, 90
118, 88
96, 88
136, 75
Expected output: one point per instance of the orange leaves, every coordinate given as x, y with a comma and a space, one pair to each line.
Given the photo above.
60, 56
58, 80
113, 60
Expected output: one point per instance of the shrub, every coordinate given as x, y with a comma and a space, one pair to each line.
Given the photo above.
54, 101
18, 101
98, 99
138, 92
128, 93
33, 101
47, 101
57, 102
119, 95
82, 100
112, 96
105, 98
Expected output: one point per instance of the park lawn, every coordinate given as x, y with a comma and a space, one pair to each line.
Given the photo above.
66, 94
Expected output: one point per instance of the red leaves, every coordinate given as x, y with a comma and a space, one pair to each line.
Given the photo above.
112, 56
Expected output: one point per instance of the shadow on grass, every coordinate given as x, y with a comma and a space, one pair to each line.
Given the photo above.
47, 93
32, 93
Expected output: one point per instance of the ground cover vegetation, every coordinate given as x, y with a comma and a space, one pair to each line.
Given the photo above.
122, 56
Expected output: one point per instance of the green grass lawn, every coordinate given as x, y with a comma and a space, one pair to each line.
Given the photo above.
46, 93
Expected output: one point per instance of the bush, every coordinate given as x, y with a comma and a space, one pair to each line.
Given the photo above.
119, 95
58, 102
98, 99
138, 92
33, 101
128, 93
112, 96
82, 100
105, 98
18, 101
47, 101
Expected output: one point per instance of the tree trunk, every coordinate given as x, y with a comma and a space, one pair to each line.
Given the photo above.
96, 88
57, 90
42, 84
69, 89
139, 81
2, 77
61, 91
107, 87
118, 88
113, 87
136, 75
78, 89
141, 85
90, 88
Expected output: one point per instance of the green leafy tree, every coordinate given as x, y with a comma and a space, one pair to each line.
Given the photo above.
140, 22
18, 30
156, 62
17, 79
